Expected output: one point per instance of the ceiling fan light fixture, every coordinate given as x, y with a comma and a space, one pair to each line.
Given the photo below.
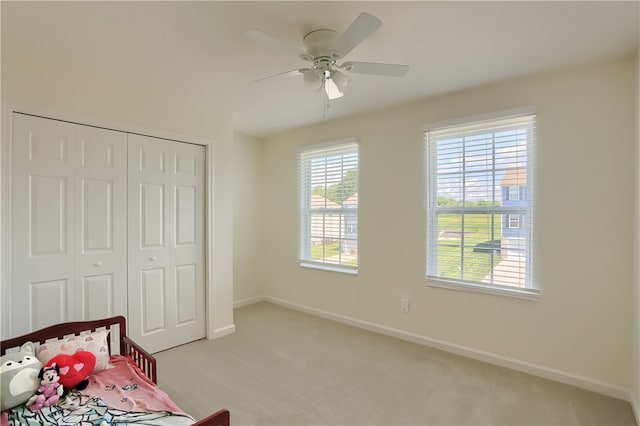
333, 92
313, 78
340, 79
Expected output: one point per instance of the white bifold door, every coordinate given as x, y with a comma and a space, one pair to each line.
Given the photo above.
166, 241
68, 223
106, 223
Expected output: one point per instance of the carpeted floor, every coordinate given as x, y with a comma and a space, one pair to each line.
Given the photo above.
283, 367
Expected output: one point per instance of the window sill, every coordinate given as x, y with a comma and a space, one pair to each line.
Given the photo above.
342, 269
526, 293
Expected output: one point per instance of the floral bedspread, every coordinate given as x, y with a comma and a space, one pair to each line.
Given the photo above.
119, 396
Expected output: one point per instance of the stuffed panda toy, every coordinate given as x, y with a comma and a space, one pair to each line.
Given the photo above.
18, 376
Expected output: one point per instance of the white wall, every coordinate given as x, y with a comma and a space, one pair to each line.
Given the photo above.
247, 215
581, 324
73, 88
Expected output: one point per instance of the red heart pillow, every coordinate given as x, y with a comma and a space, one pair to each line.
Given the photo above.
74, 368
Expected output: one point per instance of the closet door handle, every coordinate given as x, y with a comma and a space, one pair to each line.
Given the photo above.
98, 263
152, 258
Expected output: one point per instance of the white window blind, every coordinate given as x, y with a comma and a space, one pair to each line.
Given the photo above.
479, 232
328, 178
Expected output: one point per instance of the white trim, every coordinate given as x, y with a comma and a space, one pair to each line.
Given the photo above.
5, 221
511, 112
8, 108
327, 267
222, 331
209, 242
519, 293
328, 145
248, 301
560, 376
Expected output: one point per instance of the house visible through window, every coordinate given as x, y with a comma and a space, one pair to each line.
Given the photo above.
329, 206
479, 204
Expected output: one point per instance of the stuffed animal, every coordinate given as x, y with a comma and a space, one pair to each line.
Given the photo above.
18, 376
74, 369
50, 389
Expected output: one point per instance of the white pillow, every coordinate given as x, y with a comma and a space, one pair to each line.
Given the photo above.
95, 343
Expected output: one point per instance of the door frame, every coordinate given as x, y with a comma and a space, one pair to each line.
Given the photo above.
10, 107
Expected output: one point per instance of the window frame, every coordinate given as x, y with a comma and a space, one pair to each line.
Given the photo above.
306, 153
531, 290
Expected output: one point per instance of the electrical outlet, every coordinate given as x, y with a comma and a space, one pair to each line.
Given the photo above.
404, 303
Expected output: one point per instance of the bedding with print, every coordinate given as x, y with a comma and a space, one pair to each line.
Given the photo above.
118, 396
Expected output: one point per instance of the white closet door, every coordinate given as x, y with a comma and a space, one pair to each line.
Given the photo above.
166, 242
60, 184
101, 223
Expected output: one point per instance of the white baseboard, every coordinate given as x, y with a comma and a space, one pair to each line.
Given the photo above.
249, 301
222, 331
587, 383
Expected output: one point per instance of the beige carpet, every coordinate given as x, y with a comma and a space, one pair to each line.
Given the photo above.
283, 367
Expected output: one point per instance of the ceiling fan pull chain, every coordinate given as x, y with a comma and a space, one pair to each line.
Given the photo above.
325, 100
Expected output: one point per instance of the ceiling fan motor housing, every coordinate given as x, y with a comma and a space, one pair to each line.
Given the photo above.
319, 42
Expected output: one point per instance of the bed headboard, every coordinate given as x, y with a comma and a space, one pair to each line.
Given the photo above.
58, 331
118, 341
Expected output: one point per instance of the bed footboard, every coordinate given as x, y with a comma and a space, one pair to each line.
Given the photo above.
219, 418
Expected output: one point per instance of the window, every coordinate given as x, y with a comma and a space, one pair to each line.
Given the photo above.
479, 205
514, 221
329, 207
513, 193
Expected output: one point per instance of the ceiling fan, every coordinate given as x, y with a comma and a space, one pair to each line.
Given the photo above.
324, 48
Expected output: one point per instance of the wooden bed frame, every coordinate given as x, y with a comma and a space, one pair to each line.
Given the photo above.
118, 342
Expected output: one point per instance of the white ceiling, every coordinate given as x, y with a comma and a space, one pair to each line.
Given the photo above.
200, 49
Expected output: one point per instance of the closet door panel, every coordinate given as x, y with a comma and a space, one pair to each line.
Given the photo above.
185, 219
68, 216
98, 295
98, 150
49, 142
101, 232
97, 215
186, 301
166, 273
150, 278
152, 223
153, 296
42, 223
188, 224
48, 215
47, 302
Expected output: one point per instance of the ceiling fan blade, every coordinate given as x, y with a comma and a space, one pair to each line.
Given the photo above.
292, 73
357, 32
266, 39
391, 70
